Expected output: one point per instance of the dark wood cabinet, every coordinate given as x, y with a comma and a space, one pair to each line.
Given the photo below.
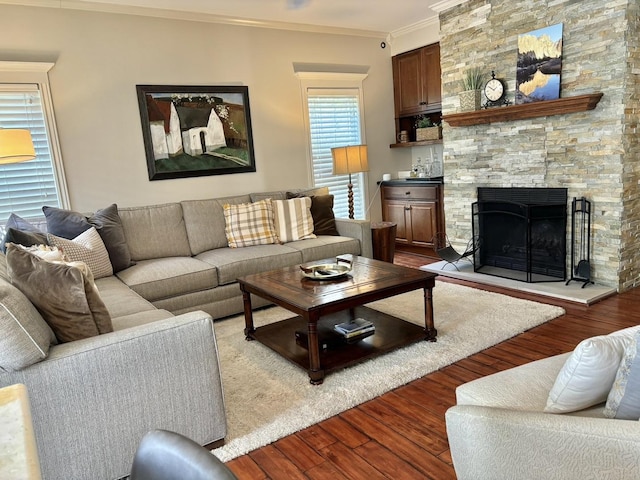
417, 209
416, 81
417, 90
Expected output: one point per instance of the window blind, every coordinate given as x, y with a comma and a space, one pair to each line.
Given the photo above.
25, 187
334, 121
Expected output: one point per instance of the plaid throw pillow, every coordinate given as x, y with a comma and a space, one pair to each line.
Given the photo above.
293, 219
249, 224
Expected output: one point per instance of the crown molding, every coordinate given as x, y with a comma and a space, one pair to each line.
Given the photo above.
193, 17
446, 4
422, 24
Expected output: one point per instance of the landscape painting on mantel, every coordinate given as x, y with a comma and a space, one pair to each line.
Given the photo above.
539, 65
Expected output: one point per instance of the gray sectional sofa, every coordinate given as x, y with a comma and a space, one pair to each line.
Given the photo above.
93, 399
183, 262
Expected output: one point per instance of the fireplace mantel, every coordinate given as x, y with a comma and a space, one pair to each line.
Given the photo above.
579, 103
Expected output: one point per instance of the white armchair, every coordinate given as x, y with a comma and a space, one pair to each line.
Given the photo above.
498, 430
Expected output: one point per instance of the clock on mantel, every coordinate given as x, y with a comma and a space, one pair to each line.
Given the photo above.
496, 92
579, 103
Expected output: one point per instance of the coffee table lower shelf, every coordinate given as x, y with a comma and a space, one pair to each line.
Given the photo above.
390, 333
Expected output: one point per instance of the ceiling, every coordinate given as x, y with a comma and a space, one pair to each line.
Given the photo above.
371, 15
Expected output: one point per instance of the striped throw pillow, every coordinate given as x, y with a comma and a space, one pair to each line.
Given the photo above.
249, 224
87, 247
293, 219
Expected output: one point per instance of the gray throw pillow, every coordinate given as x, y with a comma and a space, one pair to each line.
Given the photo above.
25, 337
20, 231
69, 224
64, 296
623, 401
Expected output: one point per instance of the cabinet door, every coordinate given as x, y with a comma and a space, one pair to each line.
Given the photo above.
423, 223
431, 72
407, 83
394, 211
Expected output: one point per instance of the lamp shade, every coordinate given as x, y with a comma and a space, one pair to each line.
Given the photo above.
350, 159
16, 145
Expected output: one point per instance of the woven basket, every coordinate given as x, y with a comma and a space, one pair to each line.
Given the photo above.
429, 133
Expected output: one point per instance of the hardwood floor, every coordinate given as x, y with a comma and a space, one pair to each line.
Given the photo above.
401, 434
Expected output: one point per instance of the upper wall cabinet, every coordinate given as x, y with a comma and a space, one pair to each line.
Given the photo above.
416, 81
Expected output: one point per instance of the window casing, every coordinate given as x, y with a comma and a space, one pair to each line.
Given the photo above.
334, 118
25, 103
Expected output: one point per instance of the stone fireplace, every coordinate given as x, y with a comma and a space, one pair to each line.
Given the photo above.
523, 232
592, 154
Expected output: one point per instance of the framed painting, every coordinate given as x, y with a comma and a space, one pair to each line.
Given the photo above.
539, 65
192, 131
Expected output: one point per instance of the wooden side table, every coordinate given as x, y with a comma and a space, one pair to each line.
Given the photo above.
383, 237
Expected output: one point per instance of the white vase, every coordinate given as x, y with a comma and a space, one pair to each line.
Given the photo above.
470, 100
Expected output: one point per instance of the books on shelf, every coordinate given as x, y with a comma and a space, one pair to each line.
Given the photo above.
354, 328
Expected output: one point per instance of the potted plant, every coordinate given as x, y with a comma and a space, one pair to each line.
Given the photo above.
427, 130
471, 95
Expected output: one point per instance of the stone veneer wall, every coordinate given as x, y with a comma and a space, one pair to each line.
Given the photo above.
593, 154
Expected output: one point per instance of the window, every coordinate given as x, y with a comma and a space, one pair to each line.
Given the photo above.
24, 103
334, 119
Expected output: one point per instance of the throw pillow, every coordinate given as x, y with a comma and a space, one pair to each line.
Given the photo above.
20, 231
624, 398
65, 298
69, 224
293, 219
88, 248
249, 224
588, 374
26, 337
324, 221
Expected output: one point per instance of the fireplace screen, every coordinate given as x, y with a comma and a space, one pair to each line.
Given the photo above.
523, 232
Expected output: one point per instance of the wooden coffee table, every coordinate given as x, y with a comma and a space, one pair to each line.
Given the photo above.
320, 304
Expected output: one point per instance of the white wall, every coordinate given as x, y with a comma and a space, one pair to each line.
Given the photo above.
100, 57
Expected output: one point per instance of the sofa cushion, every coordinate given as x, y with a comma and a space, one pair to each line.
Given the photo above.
249, 224
87, 247
119, 299
66, 298
26, 337
140, 318
324, 220
292, 219
155, 231
69, 224
20, 231
623, 400
277, 195
589, 372
204, 221
169, 277
325, 246
237, 262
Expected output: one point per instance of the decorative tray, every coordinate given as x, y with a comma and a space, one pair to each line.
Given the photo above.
327, 271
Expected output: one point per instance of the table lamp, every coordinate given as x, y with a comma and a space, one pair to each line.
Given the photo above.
16, 145
347, 160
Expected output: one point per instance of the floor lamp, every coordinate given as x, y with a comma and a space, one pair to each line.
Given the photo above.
16, 145
347, 160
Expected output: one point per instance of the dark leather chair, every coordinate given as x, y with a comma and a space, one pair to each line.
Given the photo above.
164, 455
446, 252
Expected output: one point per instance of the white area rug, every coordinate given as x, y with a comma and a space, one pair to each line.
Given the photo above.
268, 398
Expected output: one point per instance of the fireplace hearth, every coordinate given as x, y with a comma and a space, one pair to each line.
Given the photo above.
523, 232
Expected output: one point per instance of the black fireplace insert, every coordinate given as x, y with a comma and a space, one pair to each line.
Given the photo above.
523, 232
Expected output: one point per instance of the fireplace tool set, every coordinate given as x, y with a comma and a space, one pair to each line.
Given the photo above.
580, 241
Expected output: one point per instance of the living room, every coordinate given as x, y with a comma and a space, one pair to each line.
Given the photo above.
101, 53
